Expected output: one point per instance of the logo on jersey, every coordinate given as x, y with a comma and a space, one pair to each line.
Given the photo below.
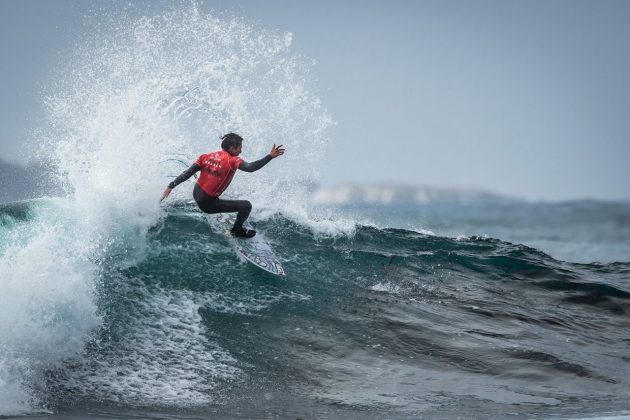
213, 165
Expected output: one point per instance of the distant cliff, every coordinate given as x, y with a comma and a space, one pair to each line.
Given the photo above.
19, 182
394, 195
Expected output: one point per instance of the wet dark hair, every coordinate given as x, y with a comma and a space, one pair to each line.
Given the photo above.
231, 140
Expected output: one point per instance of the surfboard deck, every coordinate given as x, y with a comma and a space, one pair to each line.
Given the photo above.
256, 250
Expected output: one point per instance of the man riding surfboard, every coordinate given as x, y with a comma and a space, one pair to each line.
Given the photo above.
217, 170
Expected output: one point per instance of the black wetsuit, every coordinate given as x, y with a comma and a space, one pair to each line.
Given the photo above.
211, 205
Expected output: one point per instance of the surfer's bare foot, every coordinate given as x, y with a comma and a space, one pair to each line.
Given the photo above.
243, 233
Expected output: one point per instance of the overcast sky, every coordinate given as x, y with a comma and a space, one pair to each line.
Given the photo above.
525, 98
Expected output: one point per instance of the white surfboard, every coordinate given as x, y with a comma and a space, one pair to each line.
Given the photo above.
256, 250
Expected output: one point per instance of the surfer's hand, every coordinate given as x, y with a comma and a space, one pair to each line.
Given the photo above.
276, 151
165, 194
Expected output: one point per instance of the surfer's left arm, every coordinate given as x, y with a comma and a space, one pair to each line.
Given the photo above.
254, 166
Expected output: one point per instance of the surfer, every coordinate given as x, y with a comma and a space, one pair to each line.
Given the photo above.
217, 170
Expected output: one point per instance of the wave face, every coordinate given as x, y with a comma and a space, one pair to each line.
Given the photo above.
135, 100
368, 321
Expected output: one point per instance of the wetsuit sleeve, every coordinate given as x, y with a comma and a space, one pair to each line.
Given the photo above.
194, 168
254, 166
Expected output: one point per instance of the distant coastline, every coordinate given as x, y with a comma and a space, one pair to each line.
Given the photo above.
22, 182
354, 194
404, 195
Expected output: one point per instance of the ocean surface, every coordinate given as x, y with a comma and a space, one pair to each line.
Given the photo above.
371, 321
114, 306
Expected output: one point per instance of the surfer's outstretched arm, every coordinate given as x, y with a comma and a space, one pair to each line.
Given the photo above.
194, 168
254, 166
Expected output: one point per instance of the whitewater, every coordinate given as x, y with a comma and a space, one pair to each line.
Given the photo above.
112, 305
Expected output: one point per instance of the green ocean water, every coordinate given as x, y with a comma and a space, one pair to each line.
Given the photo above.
369, 323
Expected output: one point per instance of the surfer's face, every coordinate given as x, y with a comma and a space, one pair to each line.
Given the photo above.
236, 150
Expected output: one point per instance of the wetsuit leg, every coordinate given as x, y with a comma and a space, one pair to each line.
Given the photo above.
212, 205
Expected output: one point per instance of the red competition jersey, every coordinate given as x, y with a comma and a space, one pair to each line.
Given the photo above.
217, 171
